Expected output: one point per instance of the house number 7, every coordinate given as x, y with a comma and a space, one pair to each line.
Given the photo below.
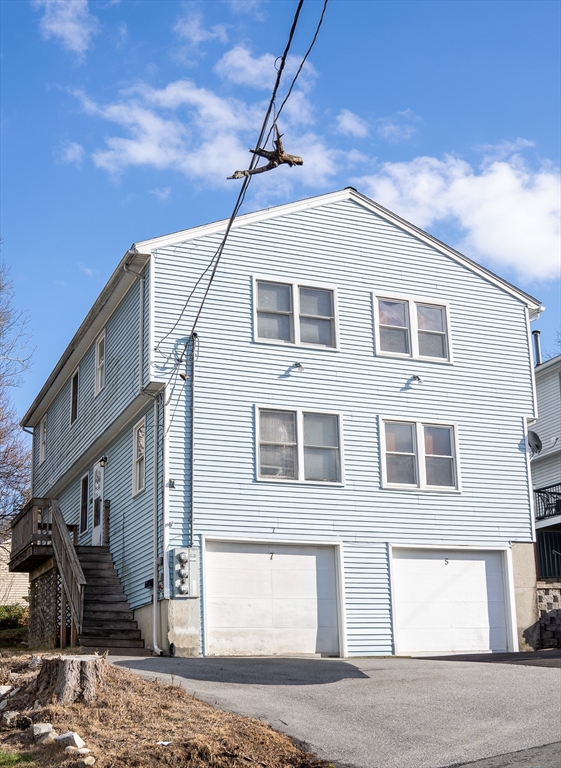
445, 561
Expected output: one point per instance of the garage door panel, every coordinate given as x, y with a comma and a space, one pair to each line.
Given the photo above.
448, 601
240, 612
270, 599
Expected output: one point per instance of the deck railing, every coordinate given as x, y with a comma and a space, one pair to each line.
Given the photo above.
71, 574
547, 501
32, 526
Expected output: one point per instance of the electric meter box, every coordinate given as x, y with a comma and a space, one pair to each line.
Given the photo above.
185, 571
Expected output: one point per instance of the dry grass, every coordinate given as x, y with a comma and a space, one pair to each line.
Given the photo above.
130, 715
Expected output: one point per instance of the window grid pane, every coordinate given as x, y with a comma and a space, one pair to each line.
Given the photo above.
401, 455
316, 317
278, 454
394, 326
439, 456
274, 311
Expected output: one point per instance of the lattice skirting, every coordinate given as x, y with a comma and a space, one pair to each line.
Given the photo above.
45, 618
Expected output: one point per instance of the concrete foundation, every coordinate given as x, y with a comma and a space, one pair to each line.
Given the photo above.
178, 626
525, 579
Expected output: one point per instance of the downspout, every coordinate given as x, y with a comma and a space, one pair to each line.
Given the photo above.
140, 323
192, 489
155, 612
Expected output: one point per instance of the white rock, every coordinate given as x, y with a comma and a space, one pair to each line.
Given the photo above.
4, 689
40, 729
9, 717
83, 751
70, 739
47, 738
87, 761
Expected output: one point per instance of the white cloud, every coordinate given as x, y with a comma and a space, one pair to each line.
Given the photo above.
239, 66
507, 211
192, 29
73, 154
162, 194
400, 127
247, 6
70, 22
350, 124
87, 270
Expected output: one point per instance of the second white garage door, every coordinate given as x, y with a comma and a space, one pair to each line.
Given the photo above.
268, 599
448, 601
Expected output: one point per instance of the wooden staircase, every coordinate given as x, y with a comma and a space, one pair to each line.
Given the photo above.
108, 622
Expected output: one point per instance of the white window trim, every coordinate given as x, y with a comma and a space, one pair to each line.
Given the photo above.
75, 372
295, 284
100, 338
412, 302
87, 528
135, 490
42, 440
299, 446
421, 485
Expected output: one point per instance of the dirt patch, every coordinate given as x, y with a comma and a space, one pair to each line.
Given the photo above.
130, 715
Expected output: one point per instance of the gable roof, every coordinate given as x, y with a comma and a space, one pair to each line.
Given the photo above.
139, 253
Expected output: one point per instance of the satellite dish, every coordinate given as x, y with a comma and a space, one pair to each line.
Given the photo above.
534, 442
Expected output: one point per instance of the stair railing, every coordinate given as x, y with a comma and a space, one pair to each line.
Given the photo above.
71, 574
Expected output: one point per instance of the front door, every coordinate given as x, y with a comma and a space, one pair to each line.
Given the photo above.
97, 529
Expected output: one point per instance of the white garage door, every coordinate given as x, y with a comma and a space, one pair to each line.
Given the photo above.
448, 601
267, 599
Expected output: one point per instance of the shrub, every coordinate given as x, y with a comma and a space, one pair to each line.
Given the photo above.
12, 616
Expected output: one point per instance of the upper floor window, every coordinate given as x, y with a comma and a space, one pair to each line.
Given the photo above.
411, 328
100, 363
299, 446
42, 440
74, 397
419, 455
289, 313
139, 462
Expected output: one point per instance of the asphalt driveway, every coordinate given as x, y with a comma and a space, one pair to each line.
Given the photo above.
381, 713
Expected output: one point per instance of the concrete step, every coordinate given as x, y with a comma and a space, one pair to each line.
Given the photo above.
109, 642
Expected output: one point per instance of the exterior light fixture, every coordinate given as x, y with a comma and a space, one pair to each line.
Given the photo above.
103, 461
298, 367
416, 379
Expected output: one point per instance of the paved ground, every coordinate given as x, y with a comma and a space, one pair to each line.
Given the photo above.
385, 713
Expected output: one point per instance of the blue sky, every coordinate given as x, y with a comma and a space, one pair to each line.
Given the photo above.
121, 121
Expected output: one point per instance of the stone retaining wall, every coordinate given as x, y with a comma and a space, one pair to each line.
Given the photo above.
549, 607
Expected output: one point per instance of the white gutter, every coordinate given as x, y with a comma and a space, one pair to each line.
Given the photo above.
155, 612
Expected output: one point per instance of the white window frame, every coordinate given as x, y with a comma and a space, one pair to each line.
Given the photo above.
295, 285
99, 383
136, 487
75, 375
83, 531
421, 484
299, 445
43, 439
412, 302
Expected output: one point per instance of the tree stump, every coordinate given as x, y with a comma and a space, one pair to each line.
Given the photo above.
70, 678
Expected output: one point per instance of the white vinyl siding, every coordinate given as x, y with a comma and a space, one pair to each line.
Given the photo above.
100, 364
290, 313
418, 455
411, 328
139, 453
299, 446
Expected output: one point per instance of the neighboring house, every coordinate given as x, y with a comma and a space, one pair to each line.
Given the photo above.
546, 466
14, 587
336, 464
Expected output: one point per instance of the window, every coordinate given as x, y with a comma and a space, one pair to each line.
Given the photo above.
100, 364
84, 494
289, 313
299, 446
410, 328
138, 457
43, 440
74, 397
419, 455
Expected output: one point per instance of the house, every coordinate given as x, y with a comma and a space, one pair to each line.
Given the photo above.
335, 463
546, 477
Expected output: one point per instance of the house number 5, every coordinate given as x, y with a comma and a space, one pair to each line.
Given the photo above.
445, 561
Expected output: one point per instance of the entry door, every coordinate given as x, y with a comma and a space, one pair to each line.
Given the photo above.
97, 530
